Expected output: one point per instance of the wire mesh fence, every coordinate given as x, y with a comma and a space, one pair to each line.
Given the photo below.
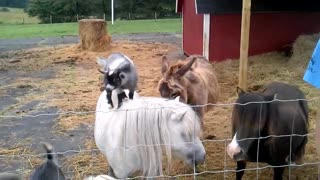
216, 151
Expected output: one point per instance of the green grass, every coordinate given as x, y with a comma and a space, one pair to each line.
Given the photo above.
17, 24
119, 27
17, 16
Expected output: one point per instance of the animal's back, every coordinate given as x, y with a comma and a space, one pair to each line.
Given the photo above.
206, 71
283, 91
124, 64
48, 171
132, 81
287, 118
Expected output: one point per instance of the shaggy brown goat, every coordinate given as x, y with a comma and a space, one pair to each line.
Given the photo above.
193, 79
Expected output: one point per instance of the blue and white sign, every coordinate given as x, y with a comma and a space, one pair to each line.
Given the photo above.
312, 74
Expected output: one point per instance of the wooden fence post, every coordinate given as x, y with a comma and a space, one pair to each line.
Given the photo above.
244, 46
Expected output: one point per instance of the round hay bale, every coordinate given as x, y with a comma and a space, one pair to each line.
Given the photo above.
93, 35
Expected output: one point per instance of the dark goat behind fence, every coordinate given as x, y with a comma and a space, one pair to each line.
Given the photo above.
49, 170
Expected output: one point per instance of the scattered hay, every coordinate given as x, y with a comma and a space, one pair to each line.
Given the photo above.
71, 122
86, 163
22, 155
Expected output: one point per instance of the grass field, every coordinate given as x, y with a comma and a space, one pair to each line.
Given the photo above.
11, 28
17, 16
119, 27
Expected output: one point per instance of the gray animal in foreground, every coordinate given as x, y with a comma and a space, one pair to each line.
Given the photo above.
9, 176
119, 73
50, 169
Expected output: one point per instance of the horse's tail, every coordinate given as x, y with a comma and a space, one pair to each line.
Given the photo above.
50, 151
304, 106
300, 150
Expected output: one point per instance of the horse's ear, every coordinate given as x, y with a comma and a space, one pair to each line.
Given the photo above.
186, 67
101, 62
240, 91
177, 99
165, 64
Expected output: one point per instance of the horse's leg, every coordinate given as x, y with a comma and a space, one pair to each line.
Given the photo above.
278, 173
109, 94
240, 166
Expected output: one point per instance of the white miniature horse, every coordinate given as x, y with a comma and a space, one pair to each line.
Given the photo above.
134, 137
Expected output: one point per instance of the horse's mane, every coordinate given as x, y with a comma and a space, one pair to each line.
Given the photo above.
147, 125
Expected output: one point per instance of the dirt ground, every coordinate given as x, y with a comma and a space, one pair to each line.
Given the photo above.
59, 86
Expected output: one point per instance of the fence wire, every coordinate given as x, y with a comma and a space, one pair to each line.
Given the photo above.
195, 173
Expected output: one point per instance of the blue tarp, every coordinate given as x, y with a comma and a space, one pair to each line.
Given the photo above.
312, 74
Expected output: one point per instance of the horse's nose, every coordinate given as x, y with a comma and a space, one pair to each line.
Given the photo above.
200, 160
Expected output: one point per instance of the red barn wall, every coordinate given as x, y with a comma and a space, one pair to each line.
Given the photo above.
192, 29
268, 32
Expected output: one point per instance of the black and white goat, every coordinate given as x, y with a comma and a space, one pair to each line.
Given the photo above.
50, 169
119, 73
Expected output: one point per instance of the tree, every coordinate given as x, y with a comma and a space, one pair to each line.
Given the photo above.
60, 10
14, 3
67, 10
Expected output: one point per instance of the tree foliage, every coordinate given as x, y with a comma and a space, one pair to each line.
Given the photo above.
68, 10
13, 3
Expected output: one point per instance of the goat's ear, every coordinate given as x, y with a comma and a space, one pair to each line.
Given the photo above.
274, 96
165, 64
240, 91
101, 62
186, 67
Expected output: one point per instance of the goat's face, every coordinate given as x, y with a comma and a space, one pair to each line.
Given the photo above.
175, 79
113, 80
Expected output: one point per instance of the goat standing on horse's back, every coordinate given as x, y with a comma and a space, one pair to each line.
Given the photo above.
119, 73
193, 79
253, 121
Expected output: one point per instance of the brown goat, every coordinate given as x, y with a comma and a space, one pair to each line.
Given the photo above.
193, 79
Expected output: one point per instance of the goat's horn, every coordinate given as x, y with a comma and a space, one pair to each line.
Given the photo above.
103, 72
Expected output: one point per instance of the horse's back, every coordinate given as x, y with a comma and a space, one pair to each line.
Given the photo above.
282, 91
287, 117
206, 71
